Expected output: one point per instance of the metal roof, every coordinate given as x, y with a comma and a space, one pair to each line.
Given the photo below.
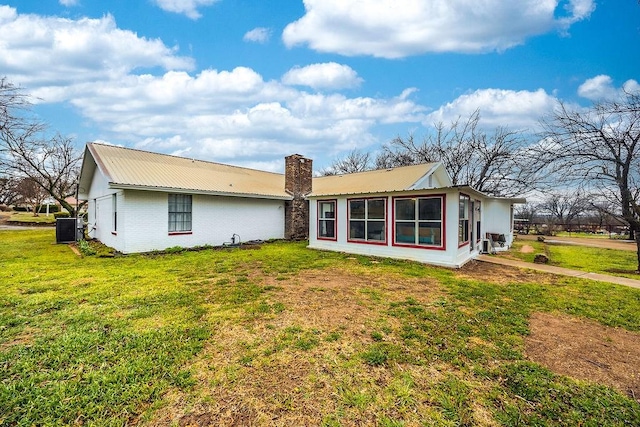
372, 182
129, 168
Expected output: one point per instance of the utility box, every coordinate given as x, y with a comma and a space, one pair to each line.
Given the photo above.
66, 230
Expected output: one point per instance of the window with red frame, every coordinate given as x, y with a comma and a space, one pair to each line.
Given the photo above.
463, 219
327, 219
419, 221
367, 219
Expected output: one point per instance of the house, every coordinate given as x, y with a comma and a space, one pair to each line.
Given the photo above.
140, 201
411, 212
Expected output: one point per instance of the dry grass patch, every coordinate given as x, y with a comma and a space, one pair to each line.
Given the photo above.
301, 364
586, 350
501, 274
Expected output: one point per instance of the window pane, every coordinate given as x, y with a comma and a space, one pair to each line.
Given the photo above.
464, 207
463, 230
375, 231
327, 228
405, 209
405, 232
376, 209
327, 210
430, 209
356, 209
430, 233
356, 229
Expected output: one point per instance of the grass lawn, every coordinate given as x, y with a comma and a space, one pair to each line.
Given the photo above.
591, 235
283, 335
583, 258
27, 217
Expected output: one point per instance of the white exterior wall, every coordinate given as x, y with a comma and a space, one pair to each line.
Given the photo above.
451, 256
100, 210
497, 218
214, 220
143, 218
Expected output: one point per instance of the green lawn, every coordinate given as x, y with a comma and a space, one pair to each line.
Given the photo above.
28, 217
239, 337
583, 258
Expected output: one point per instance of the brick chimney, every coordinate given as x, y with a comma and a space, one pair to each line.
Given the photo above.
297, 182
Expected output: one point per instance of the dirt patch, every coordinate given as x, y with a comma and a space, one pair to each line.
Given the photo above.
586, 350
501, 274
527, 249
286, 369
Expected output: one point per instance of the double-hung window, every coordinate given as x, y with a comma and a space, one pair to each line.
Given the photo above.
463, 219
419, 221
327, 219
179, 213
367, 219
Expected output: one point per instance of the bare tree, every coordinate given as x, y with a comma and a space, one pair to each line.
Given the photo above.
600, 147
498, 163
27, 152
8, 191
355, 161
565, 208
525, 215
31, 194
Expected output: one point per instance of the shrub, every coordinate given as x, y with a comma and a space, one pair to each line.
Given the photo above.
61, 215
4, 208
85, 248
21, 209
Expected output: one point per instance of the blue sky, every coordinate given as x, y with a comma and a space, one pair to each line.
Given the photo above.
247, 82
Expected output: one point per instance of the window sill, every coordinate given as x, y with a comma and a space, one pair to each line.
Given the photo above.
414, 246
368, 242
179, 233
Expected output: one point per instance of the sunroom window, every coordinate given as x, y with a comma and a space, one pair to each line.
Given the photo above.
327, 219
367, 219
463, 219
418, 221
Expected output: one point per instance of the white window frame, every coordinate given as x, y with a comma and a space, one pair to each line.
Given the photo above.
181, 217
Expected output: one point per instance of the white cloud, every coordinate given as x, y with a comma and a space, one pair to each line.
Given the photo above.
323, 76
577, 10
514, 109
189, 8
601, 88
258, 35
69, 3
230, 115
41, 51
385, 28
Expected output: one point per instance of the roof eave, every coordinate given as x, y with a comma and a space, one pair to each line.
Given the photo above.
120, 186
473, 190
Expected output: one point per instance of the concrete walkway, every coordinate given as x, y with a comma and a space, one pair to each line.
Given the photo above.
560, 271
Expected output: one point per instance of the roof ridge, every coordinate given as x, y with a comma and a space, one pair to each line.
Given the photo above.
183, 158
375, 170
